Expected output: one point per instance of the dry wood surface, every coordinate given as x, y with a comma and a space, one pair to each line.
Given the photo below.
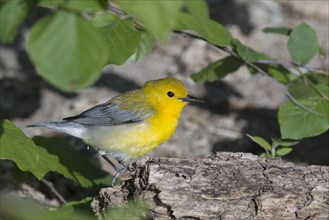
225, 186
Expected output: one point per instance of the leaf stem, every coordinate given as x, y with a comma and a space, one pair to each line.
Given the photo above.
293, 100
311, 84
274, 145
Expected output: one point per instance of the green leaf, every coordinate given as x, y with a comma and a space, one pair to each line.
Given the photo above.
261, 66
210, 30
47, 155
68, 51
15, 146
90, 6
199, 11
303, 44
13, 207
83, 205
324, 88
51, 3
260, 141
281, 74
216, 33
134, 210
217, 70
264, 155
76, 5
283, 151
66, 161
307, 106
322, 51
159, 17
317, 78
72, 210
186, 22
247, 53
287, 143
299, 90
309, 117
121, 37
12, 14
104, 19
145, 47
278, 30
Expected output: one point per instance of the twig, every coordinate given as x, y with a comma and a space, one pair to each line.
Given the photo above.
53, 190
292, 67
120, 13
293, 100
123, 14
225, 49
323, 72
116, 11
288, 66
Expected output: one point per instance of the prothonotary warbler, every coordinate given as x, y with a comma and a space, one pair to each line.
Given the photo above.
131, 124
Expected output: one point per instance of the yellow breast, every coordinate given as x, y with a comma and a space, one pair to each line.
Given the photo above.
134, 139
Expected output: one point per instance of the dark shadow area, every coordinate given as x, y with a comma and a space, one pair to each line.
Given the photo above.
72, 154
75, 160
71, 190
116, 83
229, 12
20, 92
314, 150
25, 66
260, 122
12, 178
220, 92
264, 123
217, 99
18, 99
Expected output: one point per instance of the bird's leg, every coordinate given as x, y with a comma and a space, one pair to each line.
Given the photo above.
118, 171
123, 163
110, 162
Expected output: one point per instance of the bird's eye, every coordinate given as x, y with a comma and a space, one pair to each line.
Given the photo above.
170, 94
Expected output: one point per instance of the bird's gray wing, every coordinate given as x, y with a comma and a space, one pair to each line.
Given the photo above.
111, 113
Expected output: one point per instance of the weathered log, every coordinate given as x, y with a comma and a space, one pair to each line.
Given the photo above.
225, 186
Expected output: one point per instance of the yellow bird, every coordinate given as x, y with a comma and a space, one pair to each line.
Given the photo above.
131, 124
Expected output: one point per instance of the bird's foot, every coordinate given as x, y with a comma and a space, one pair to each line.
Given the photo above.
118, 171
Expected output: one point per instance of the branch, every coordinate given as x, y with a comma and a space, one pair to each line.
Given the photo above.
225, 186
53, 190
225, 49
288, 66
292, 67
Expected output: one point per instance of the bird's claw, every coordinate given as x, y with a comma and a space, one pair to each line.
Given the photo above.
118, 171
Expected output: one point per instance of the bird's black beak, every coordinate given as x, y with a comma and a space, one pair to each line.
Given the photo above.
190, 99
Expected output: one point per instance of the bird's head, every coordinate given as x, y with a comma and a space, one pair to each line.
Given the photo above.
168, 94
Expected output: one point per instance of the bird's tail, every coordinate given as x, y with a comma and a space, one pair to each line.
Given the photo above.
71, 128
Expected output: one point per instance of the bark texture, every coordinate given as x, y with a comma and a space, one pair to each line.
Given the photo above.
225, 186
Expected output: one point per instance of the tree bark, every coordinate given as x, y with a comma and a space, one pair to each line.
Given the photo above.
225, 186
